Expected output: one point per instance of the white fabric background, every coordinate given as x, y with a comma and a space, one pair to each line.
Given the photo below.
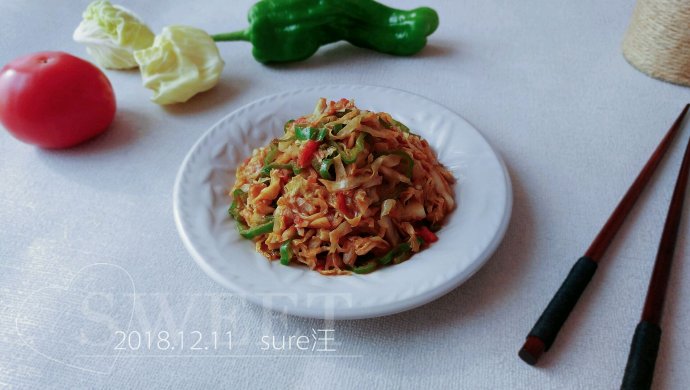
544, 81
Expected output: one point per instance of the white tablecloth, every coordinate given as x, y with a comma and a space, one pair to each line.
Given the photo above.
544, 81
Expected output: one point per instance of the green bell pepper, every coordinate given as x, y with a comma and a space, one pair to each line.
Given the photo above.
245, 231
293, 30
287, 125
250, 233
395, 252
310, 133
350, 156
266, 170
401, 126
337, 128
286, 252
399, 251
271, 154
384, 123
325, 168
368, 267
237, 195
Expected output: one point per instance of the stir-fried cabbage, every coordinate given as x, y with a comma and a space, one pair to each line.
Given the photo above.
366, 196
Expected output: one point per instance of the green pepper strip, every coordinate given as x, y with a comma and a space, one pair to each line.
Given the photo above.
401, 126
310, 133
401, 258
384, 123
236, 195
250, 233
368, 267
287, 125
266, 171
304, 133
406, 159
286, 252
323, 133
337, 128
350, 156
325, 168
395, 252
400, 250
271, 154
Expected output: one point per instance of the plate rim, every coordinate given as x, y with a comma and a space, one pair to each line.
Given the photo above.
353, 312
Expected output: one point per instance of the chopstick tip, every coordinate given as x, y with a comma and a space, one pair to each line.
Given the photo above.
532, 350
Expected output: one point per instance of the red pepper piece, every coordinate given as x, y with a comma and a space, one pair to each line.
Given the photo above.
320, 265
307, 153
342, 205
427, 235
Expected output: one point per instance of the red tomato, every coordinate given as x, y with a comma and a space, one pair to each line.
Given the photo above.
55, 100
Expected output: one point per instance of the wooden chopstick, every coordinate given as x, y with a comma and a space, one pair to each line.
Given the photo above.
544, 332
639, 371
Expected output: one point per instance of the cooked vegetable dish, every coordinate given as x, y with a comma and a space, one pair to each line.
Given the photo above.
343, 190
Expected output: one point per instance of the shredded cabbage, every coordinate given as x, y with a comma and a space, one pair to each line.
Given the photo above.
111, 34
356, 204
182, 62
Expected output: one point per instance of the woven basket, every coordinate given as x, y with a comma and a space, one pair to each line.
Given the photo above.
658, 40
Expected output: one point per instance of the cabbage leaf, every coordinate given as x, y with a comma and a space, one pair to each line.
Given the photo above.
182, 62
111, 34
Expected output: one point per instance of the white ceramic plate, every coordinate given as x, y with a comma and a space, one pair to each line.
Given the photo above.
472, 233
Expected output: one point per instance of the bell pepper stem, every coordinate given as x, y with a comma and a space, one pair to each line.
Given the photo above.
241, 35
